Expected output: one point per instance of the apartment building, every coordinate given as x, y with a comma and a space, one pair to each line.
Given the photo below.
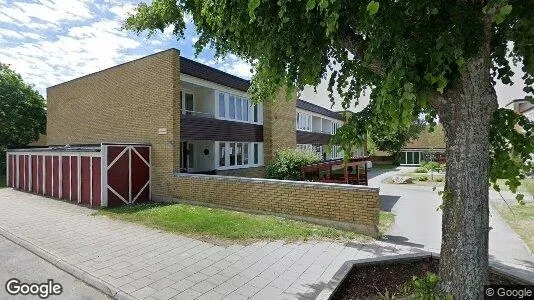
522, 107
198, 119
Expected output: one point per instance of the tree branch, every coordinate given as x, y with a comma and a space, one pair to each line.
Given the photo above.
355, 44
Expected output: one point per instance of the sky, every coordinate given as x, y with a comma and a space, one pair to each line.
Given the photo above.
53, 41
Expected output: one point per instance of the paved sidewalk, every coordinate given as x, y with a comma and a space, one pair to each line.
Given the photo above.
149, 264
17, 262
418, 223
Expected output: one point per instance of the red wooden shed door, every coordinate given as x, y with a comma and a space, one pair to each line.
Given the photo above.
128, 174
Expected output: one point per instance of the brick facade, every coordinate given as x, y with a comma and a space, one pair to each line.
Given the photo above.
278, 125
343, 206
126, 103
257, 172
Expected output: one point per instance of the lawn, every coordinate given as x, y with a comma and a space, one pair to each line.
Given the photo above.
527, 185
521, 219
204, 222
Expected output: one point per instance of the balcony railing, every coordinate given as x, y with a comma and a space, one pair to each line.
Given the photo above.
198, 114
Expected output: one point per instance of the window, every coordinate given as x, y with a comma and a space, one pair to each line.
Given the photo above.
232, 154
337, 152
304, 121
335, 127
305, 147
239, 154
255, 155
245, 110
222, 108
239, 109
222, 156
189, 104
231, 100
411, 158
245, 153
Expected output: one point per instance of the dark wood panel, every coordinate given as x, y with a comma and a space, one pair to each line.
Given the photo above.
201, 128
305, 137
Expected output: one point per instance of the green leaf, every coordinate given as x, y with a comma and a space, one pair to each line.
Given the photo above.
252, 5
372, 7
503, 12
310, 5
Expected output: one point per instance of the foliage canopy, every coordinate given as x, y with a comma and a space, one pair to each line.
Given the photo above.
404, 52
22, 111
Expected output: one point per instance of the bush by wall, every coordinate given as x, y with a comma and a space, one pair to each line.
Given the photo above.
287, 164
421, 170
432, 165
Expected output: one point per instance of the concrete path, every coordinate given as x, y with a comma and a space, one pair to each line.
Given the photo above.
17, 262
418, 223
134, 261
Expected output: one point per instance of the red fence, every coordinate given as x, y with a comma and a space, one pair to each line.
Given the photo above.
103, 175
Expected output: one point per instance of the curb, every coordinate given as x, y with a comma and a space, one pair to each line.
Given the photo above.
78, 273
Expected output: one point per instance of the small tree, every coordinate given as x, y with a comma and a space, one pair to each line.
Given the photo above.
393, 142
22, 112
288, 163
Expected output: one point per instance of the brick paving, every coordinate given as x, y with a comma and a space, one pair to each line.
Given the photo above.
150, 264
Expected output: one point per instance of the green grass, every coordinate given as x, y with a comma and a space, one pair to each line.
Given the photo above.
387, 219
2, 181
521, 219
204, 222
527, 185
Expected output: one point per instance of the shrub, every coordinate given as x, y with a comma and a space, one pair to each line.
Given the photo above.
421, 170
432, 165
439, 179
425, 287
423, 178
287, 164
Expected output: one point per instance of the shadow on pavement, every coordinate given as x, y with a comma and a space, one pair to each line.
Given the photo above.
387, 202
400, 240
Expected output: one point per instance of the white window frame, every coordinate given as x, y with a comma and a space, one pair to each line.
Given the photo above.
250, 151
246, 106
187, 91
304, 121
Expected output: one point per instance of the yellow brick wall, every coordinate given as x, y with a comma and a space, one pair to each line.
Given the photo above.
279, 130
126, 103
348, 207
256, 172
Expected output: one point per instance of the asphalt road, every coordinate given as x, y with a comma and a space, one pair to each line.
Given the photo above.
17, 262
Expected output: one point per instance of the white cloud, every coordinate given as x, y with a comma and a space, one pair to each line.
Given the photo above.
238, 68
79, 51
122, 11
51, 12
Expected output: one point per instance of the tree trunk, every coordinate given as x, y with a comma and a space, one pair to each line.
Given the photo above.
466, 111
